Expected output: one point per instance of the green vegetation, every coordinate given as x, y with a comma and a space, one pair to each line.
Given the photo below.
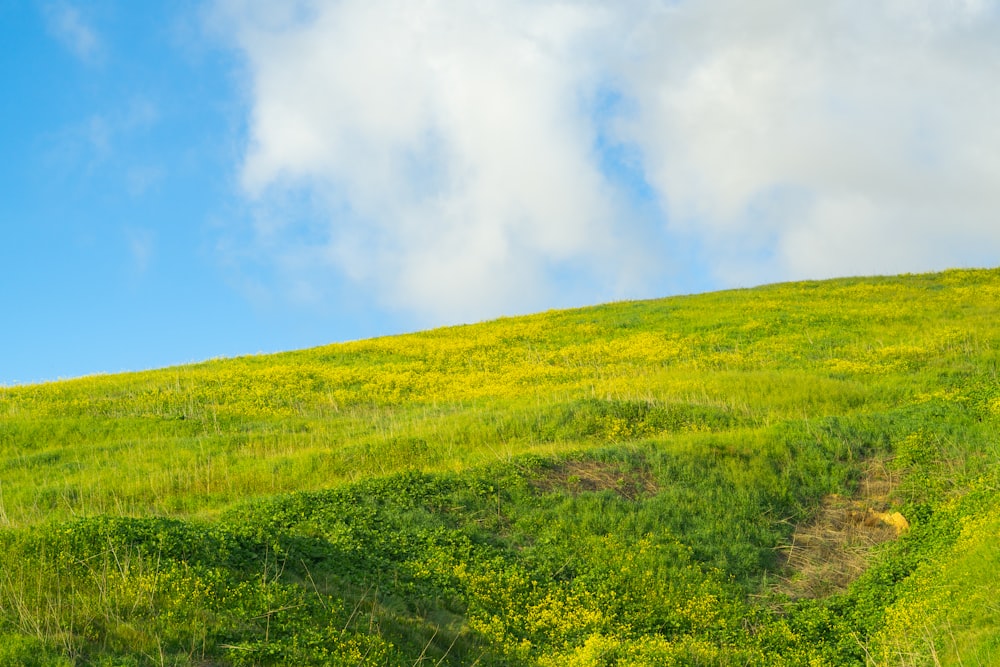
798, 474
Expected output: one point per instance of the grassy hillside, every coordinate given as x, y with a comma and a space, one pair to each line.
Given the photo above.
801, 474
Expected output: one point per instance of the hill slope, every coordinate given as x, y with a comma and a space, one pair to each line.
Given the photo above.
801, 474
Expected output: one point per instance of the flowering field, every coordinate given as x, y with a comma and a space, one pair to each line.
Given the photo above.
618, 485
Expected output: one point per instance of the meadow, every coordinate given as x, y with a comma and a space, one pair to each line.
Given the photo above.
795, 474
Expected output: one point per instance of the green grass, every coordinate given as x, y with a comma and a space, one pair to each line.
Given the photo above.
616, 485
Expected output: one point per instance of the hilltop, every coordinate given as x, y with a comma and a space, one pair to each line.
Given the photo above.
804, 473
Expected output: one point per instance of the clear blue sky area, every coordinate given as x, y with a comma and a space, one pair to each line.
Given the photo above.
117, 173
191, 179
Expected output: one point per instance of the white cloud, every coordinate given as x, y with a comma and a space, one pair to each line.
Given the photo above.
446, 155
452, 141
846, 137
70, 28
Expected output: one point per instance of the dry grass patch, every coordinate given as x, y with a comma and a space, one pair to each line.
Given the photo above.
588, 476
829, 552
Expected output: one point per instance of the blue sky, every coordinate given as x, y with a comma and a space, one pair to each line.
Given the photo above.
118, 185
188, 180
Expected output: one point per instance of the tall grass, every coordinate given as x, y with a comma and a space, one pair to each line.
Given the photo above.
610, 485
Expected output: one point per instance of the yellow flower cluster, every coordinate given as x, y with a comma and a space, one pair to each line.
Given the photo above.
208, 432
